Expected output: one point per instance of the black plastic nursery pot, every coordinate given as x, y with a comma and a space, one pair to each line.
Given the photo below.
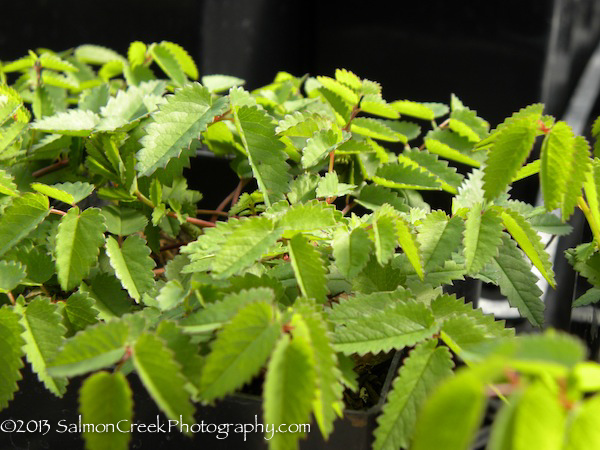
41, 421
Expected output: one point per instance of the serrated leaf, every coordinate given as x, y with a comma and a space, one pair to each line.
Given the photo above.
23, 216
310, 216
95, 98
513, 274
454, 410
111, 299
339, 89
359, 305
132, 264
413, 109
106, 398
330, 186
53, 192
409, 242
136, 53
591, 187
179, 121
290, 380
245, 245
169, 64
446, 175
60, 81
483, 236
320, 145
402, 176
375, 105
221, 83
80, 312
420, 373
533, 113
183, 58
402, 325
94, 348
240, 350
215, 314
42, 103
11, 344
11, 275
7, 186
527, 170
309, 268
375, 278
265, 152
123, 221
384, 237
161, 375
582, 432
530, 243
96, 54
348, 78
74, 122
506, 156
78, 241
466, 123
43, 336
439, 237
351, 251
376, 129
591, 296
451, 146
372, 197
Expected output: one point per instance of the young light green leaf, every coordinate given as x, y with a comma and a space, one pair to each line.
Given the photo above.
403, 176
290, 380
78, 241
375, 105
161, 374
136, 53
451, 146
132, 264
413, 109
43, 336
11, 344
309, 268
96, 347
446, 175
240, 350
22, 217
179, 121
265, 152
221, 83
402, 325
169, 64
183, 58
339, 89
351, 251
384, 237
506, 156
349, 79
96, 54
245, 245
409, 242
420, 373
106, 398
513, 274
439, 237
530, 243
454, 411
310, 216
74, 122
330, 186
7, 185
53, 192
376, 129
483, 236
582, 432
320, 145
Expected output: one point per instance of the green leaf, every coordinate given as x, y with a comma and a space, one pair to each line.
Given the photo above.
330, 186
339, 89
358, 305
310, 216
80, 312
221, 83
96, 347
466, 123
215, 314
265, 152
240, 350
132, 264
11, 275
96, 54
74, 122
53, 192
483, 236
245, 245
530, 243
582, 432
413, 109
591, 296
349, 79
394, 328
309, 268
106, 398
439, 237
320, 145
123, 221
591, 188
564, 164
95, 98
446, 175
7, 186
78, 241
289, 389
384, 236
451, 146
161, 374
539, 419
111, 299
22, 217
328, 403
374, 278
136, 53
527, 170
513, 274
374, 104
179, 121
409, 242
403, 176
183, 58
42, 103
377, 129
454, 411
43, 336
351, 251
11, 344
506, 156
166, 60
78, 190
420, 373
372, 197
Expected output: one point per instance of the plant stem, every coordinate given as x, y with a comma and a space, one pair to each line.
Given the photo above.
201, 223
57, 211
211, 211
348, 208
11, 297
159, 271
590, 219
51, 168
233, 194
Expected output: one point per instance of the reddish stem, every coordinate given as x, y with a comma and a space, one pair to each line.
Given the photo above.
51, 168
159, 271
11, 297
57, 211
211, 211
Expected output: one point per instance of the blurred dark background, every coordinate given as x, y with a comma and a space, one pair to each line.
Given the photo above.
496, 56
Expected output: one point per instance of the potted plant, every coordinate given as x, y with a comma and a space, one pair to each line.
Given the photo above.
319, 265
